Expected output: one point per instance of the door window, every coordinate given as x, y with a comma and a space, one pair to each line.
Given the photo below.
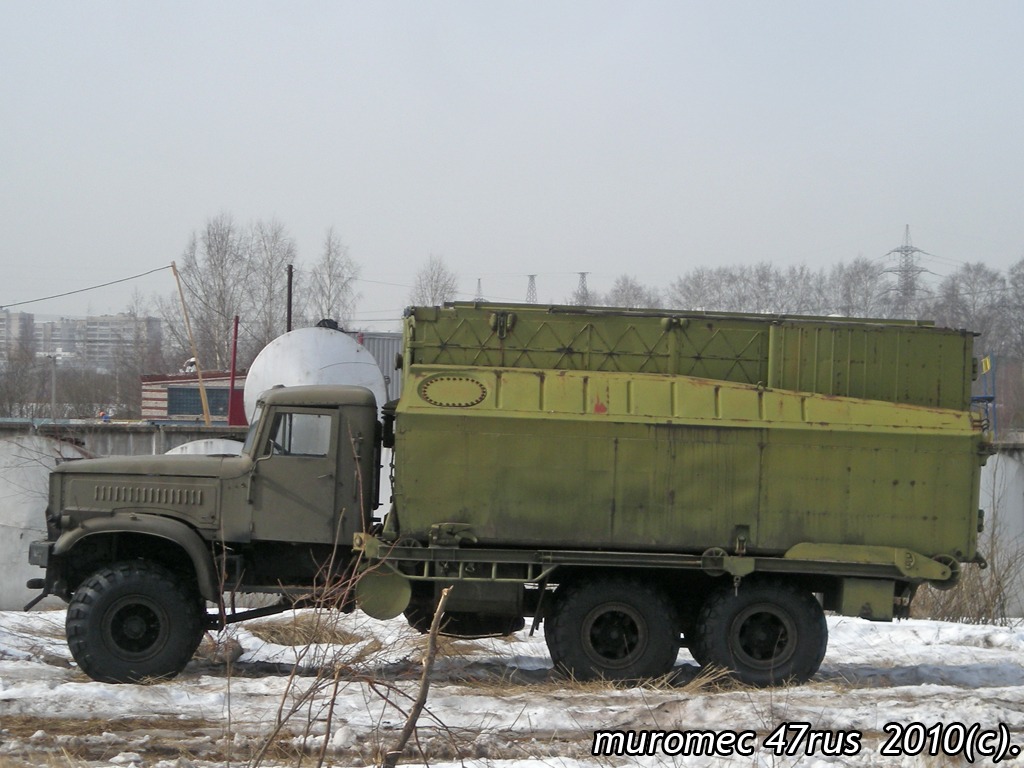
300, 434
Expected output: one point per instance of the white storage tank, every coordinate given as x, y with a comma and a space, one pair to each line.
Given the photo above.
209, 446
313, 356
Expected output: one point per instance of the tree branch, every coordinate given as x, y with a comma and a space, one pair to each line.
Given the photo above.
390, 757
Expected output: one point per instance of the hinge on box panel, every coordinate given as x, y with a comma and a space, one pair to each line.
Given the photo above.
741, 534
451, 534
502, 322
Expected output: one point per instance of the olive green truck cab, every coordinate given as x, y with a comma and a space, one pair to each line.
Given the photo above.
635, 480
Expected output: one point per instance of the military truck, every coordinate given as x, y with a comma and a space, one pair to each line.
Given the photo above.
634, 480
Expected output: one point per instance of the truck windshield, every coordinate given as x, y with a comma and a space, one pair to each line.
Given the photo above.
254, 423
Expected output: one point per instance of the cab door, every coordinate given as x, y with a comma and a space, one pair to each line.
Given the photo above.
294, 479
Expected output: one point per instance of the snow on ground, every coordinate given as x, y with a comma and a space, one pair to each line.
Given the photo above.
496, 702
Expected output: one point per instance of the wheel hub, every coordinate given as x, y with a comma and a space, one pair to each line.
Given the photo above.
613, 635
763, 637
135, 628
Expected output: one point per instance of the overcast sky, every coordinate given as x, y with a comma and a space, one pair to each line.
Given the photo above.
510, 138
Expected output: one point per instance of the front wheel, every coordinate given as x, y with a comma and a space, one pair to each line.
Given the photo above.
767, 632
612, 629
133, 622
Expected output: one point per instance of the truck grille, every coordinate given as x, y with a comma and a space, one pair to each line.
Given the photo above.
149, 495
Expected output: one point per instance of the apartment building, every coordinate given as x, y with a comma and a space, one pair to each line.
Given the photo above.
16, 333
98, 342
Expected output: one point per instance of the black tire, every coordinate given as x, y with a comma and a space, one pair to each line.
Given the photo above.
693, 641
768, 632
419, 616
133, 622
612, 629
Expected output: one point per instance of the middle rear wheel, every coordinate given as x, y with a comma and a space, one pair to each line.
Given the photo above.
613, 629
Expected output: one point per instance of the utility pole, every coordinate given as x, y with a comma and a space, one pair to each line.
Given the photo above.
291, 279
192, 342
53, 388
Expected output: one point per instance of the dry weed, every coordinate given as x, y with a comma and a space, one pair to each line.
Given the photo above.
983, 595
314, 628
76, 741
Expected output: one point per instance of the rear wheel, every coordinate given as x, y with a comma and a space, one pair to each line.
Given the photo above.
612, 628
767, 632
133, 622
694, 644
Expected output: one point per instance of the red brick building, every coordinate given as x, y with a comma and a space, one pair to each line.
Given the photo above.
175, 397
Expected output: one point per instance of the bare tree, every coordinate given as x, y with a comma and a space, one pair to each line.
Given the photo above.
702, 289
331, 291
19, 381
82, 392
139, 351
215, 274
269, 252
974, 297
627, 291
762, 288
434, 284
805, 291
1014, 310
729, 289
226, 271
860, 287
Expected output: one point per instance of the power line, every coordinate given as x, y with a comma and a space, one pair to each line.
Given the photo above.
83, 290
381, 282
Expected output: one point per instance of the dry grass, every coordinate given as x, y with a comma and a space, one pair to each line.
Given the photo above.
23, 726
64, 760
318, 628
506, 680
366, 653
989, 595
983, 595
72, 741
975, 600
457, 648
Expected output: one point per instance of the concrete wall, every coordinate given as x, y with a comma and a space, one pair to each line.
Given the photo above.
25, 464
1002, 498
28, 452
121, 438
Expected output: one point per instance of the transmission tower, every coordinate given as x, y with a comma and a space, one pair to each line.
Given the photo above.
479, 290
531, 289
582, 295
907, 272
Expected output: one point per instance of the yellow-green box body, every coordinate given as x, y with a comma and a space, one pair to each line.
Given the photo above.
660, 461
